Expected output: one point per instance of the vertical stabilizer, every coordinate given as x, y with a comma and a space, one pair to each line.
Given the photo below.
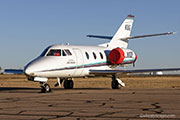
123, 32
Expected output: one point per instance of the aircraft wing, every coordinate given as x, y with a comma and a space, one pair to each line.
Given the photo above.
131, 37
14, 71
106, 72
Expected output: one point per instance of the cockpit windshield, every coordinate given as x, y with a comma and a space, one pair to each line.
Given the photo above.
56, 52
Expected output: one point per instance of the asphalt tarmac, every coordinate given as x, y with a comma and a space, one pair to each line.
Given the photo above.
21, 103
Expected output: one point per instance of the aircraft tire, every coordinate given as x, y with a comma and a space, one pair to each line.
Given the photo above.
71, 84
68, 84
45, 88
115, 84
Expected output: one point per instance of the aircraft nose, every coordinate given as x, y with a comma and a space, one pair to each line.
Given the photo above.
30, 68
35, 67
28, 71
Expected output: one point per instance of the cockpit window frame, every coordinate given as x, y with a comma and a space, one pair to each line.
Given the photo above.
45, 51
64, 53
68, 52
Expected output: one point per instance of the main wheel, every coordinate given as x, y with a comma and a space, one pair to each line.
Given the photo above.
115, 84
45, 88
71, 84
68, 84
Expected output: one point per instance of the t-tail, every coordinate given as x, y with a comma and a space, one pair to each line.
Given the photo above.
122, 36
124, 31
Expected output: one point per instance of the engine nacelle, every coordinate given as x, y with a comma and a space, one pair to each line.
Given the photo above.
120, 56
116, 56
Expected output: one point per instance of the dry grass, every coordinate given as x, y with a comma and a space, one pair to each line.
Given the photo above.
131, 82
153, 82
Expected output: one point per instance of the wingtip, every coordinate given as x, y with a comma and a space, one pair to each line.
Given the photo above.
88, 35
171, 33
174, 32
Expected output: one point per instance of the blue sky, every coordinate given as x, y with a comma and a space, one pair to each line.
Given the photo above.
29, 26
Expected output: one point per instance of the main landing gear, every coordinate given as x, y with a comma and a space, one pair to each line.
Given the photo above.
68, 83
116, 83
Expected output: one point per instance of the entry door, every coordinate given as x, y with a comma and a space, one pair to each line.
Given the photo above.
79, 62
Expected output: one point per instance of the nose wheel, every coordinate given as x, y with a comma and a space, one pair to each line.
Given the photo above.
45, 88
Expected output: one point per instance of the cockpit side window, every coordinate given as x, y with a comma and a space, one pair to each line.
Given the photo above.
68, 52
63, 53
54, 52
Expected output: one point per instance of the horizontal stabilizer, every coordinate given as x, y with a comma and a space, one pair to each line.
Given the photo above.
131, 37
151, 35
98, 36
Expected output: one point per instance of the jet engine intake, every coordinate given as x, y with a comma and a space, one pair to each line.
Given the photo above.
122, 56
116, 56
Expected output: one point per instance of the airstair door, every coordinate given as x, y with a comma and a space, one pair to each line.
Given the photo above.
79, 62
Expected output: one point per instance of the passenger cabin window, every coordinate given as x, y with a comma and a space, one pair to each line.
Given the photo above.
94, 55
87, 55
101, 55
54, 52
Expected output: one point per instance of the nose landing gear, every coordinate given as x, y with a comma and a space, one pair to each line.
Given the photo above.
45, 88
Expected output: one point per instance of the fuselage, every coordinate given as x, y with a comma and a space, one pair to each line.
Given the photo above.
72, 61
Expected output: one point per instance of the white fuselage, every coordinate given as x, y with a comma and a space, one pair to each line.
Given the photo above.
77, 64
77, 61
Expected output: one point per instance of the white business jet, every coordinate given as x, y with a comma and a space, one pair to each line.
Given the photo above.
65, 62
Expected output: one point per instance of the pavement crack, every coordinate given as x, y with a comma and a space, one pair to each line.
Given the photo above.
89, 101
50, 105
21, 112
107, 113
103, 104
43, 119
13, 99
69, 114
111, 99
157, 108
156, 105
